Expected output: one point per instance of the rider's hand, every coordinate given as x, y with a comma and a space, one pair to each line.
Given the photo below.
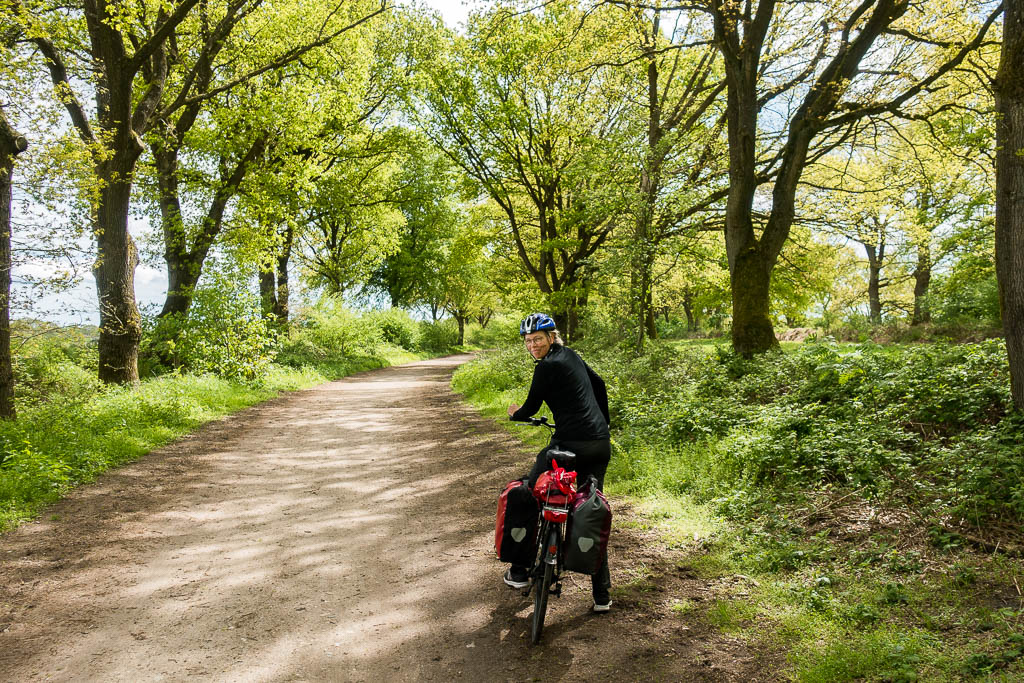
512, 409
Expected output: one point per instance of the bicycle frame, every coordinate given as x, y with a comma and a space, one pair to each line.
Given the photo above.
546, 572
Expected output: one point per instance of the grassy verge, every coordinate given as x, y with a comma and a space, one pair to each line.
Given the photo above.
847, 486
55, 445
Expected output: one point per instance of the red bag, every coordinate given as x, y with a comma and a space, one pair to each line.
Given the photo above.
551, 490
515, 533
555, 490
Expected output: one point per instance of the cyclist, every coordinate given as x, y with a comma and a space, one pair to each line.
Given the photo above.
578, 400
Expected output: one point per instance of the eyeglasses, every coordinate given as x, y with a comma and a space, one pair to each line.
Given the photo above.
534, 342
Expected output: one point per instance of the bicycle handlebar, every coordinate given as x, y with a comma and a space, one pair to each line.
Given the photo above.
541, 421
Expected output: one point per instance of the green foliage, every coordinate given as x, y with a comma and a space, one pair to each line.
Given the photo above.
925, 422
438, 337
222, 334
54, 365
967, 299
882, 654
397, 327
498, 333
327, 331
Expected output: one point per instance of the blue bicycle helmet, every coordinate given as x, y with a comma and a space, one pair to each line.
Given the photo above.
536, 322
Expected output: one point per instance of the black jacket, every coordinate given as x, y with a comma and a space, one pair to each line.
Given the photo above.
576, 395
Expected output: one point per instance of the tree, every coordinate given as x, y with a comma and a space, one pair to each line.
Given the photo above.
692, 276
860, 199
11, 145
241, 122
518, 107
125, 57
897, 193
879, 63
465, 284
679, 175
429, 191
1009, 91
351, 223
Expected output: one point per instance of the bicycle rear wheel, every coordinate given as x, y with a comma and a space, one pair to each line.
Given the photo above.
542, 588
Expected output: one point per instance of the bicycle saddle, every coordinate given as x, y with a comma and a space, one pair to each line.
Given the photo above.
566, 459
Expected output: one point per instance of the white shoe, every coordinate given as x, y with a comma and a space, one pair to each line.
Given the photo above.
513, 582
603, 608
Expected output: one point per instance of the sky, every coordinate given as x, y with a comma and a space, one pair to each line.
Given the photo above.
453, 11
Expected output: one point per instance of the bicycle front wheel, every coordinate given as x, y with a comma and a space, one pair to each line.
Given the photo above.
542, 588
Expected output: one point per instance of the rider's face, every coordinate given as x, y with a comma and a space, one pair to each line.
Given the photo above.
538, 343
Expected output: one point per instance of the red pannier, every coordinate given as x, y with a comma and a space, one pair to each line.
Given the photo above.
555, 490
587, 534
515, 534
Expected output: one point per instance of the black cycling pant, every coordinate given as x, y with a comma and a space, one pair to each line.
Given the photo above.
592, 458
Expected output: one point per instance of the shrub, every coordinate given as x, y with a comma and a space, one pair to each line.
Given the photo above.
439, 336
397, 327
969, 300
56, 366
223, 334
499, 332
927, 421
329, 332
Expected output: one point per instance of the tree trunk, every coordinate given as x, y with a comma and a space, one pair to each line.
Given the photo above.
652, 328
179, 267
1009, 92
751, 256
185, 261
461, 320
281, 305
874, 287
114, 270
752, 330
11, 144
268, 292
922, 278
691, 321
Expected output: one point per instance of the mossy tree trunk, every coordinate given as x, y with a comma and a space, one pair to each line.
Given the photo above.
1009, 91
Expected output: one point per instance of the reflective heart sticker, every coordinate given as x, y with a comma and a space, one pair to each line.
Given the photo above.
518, 534
585, 543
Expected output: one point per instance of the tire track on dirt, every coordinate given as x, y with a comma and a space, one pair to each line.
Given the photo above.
339, 533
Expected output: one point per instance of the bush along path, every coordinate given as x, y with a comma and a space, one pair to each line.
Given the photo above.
343, 532
854, 510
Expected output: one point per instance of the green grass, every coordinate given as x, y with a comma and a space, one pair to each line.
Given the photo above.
731, 616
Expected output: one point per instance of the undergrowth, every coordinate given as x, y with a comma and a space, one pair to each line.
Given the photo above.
855, 485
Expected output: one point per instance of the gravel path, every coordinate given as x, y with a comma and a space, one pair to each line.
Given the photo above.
342, 533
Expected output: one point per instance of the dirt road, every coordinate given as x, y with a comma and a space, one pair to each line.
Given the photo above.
342, 533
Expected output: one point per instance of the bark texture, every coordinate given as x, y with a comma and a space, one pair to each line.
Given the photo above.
11, 144
1009, 91
876, 255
